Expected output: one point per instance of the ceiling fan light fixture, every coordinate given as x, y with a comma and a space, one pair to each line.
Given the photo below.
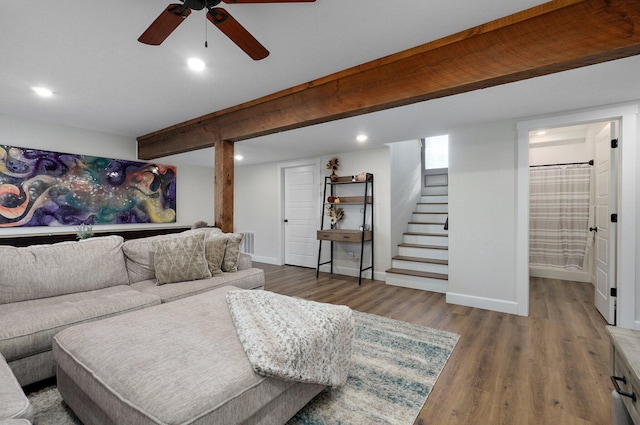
196, 64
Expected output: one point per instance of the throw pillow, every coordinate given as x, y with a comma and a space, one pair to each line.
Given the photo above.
214, 252
180, 259
231, 252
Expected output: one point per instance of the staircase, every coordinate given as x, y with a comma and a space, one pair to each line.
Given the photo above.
422, 260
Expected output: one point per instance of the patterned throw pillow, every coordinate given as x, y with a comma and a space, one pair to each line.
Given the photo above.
231, 252
214, 252
180, 259
222, 252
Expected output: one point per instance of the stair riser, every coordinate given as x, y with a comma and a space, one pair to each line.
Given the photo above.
429, 218
420, 267
434, 198
435, 190
432, 208
426, 240
436, 254
427, 228
422, 283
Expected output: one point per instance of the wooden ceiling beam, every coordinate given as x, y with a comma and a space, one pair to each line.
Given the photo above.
553, 37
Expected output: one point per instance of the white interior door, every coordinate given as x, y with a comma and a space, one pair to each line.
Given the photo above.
301, 215
605, 243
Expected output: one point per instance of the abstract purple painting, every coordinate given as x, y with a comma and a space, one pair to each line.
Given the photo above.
42, 188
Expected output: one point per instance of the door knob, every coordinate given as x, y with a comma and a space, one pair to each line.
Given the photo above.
593, 229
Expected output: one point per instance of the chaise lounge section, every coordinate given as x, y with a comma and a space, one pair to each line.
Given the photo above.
180, 362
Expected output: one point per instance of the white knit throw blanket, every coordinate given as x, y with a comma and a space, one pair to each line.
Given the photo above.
293, 339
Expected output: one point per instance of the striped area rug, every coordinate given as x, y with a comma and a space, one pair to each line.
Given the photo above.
394, 366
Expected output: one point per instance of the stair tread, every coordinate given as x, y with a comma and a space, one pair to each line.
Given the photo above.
433, 203
442, 235
423, 212
425, 222
415, 245
418, 274
420, 260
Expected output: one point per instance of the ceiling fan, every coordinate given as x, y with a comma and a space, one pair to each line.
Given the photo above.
174, 14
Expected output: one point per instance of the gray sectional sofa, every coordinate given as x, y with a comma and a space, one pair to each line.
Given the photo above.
47, 288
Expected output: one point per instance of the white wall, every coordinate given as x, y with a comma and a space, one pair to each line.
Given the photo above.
482, 232
563, 151
258, 208
405, 167
192, 182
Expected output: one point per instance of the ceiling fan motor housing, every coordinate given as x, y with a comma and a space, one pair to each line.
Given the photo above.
201, 4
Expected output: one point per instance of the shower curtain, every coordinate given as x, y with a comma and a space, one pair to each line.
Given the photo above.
559, 215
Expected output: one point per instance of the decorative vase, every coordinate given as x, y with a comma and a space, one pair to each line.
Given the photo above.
333, 176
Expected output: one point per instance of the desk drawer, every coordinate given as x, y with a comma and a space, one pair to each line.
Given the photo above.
339, 235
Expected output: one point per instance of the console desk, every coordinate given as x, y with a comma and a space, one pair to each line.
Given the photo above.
625, 375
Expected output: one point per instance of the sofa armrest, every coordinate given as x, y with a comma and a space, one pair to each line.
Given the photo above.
244, 261
14, 405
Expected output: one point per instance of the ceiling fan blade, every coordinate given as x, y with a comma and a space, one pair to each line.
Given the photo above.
164, 25
267, 1
237, 33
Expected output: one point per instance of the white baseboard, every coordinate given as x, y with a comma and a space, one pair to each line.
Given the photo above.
573, 275
267, 260
501, 306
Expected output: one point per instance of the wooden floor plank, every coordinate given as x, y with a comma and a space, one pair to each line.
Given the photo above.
549, 368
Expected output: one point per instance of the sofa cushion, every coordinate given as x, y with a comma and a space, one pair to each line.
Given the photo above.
42, 271
246, 279
139, 253
13, 403
244, 261
28, 327
180, 259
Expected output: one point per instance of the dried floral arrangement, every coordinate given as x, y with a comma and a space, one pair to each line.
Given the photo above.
335, 214
333, 164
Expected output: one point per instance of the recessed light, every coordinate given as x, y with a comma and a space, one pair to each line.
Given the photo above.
362, 138
42, 91
239, 157
541, 133
196, 64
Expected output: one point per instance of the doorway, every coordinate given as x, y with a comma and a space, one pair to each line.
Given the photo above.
626, 206
573, 191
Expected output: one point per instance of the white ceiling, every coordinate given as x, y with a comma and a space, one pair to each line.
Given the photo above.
104, 80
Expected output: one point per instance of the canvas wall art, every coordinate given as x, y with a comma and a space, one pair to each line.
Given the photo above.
43, 188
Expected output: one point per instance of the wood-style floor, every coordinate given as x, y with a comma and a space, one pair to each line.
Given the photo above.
549, 368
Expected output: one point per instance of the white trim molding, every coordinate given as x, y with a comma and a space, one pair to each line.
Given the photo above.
492, 304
